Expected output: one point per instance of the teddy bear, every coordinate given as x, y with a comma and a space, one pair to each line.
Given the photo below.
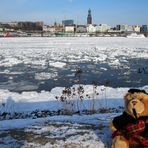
130, 129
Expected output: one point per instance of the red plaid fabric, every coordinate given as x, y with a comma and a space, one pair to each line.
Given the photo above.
133, 131
136, 129
143, 141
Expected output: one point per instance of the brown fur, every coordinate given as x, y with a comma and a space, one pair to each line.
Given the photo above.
138, 101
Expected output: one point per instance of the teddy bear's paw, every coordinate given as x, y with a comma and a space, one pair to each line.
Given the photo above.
119, 143
112, 127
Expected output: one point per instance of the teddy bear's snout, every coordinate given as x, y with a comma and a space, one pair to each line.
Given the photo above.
137, 105
134, 102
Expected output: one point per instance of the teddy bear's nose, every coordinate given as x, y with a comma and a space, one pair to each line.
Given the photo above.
134, 103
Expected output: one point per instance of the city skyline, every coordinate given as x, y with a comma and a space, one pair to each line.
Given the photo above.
103, 11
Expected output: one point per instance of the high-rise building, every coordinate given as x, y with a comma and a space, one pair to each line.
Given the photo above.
89, 18
67, 22
144, 29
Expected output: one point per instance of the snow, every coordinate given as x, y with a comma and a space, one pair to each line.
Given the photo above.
31, 101
58, 64
38, 119
82, 130
28, 102
45, 75
58, 51
76, 130
77, 119
9, 62
135, 35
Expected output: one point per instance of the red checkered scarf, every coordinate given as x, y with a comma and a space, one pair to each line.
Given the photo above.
133, 131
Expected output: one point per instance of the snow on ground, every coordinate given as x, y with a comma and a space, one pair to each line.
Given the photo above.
26, 102
55, 131
58, 131
12, 102
70, 132
33, 119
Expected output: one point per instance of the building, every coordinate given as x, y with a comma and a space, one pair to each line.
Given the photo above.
91, 28
124, 28
30, 26
67, 22
102, 28
58, 27
70, 28
81, 29
1, 27
144, 30
89, 18
12, 24
47, 28
136, 28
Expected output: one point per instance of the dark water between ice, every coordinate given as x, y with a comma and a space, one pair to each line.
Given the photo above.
133, 73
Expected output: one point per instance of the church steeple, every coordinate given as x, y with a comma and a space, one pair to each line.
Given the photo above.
89, 17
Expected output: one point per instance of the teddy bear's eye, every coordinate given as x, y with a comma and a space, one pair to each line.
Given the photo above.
140, 99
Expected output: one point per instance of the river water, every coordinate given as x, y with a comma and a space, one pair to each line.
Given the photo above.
28, 64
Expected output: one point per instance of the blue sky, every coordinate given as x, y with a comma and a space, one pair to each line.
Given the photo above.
103, 11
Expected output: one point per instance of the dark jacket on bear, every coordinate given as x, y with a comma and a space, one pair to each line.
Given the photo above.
120, 122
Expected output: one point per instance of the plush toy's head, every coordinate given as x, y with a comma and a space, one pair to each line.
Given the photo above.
136, 103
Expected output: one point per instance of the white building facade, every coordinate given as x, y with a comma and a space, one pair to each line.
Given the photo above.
70, 29
102, 28
136, 28
91, 28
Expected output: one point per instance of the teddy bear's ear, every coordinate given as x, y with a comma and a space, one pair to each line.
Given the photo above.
127, 96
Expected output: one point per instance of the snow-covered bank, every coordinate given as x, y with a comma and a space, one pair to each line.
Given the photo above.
34, 104
58, 131
30, 101
80, 119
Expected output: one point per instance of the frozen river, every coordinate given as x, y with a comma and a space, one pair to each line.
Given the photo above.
44, 63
